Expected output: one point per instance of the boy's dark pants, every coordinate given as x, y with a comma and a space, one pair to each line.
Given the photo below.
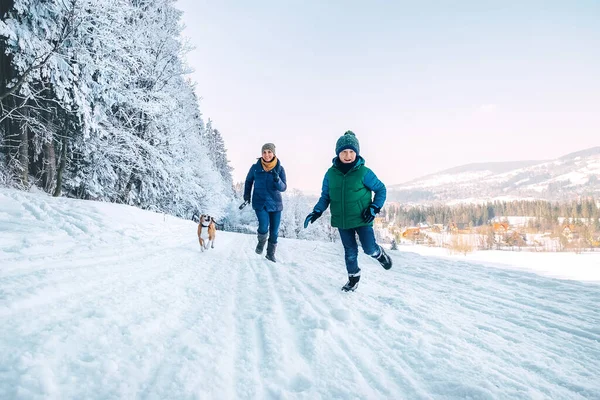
367, 240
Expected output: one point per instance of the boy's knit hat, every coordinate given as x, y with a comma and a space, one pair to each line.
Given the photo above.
347, 141
268, 146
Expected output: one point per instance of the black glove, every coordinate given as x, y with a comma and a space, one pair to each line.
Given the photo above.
275, 177
312, 217
370, 212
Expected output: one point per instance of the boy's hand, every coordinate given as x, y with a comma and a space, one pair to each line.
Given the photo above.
370, 212
312, 217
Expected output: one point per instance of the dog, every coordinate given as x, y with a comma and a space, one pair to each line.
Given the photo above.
206, 232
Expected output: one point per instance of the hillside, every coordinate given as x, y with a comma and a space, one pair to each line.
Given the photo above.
570, 176
101, 300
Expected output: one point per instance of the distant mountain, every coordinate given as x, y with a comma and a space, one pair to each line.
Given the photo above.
567, 177
495, 167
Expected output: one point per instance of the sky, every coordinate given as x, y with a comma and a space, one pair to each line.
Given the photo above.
426, 86
102, 300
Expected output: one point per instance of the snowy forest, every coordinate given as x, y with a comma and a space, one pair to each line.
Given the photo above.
95, 104
544, 214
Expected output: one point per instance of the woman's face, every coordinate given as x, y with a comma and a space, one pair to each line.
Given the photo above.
268, 155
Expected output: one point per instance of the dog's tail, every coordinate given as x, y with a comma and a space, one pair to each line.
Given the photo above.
218, 225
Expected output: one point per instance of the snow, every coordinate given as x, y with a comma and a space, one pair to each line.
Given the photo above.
583, 267
575, 177
515, 220
100, 301
443, 179
565, 178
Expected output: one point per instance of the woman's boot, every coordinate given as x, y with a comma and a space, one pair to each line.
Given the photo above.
262, 240
271, 247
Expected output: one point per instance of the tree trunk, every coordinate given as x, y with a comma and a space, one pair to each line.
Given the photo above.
61, 168
5, 6
23, 153
6, 74
49, 167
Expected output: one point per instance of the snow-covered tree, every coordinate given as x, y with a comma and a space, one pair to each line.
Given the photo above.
96, 104
217, 152
34, 41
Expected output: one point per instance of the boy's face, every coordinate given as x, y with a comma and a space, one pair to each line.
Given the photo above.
347, 156
268, 155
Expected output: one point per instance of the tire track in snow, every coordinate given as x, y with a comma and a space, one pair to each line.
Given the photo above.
246, 378
54, 283
301, 380
79, 281
89, 256
174, 354
208, 321
282, 369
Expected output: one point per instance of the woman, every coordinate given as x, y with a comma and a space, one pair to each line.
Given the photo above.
268, 178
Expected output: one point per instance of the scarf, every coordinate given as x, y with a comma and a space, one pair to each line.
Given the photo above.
267, 166
345, 168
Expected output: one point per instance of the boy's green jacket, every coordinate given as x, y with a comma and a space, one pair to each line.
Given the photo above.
349, 195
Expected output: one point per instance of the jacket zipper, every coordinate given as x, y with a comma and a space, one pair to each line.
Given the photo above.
344, 201
344, 197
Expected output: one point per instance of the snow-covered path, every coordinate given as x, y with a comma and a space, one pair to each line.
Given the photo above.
106, 301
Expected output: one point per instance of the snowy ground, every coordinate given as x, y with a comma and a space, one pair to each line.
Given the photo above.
565, 265
102, 301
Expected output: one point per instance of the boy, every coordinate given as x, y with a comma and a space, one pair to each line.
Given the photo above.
348, 187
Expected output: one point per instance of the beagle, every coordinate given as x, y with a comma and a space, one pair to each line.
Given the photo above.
206, 232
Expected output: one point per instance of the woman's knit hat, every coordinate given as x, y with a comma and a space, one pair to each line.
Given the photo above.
347, 141
268, 146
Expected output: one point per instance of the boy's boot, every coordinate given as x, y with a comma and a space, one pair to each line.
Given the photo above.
262, 240
271, 247
384, 259
352, 283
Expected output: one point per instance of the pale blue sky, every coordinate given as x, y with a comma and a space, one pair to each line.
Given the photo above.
425, 85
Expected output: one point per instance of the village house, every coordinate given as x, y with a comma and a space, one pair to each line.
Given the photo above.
500, 228
458, 227
412, 233
570, 232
